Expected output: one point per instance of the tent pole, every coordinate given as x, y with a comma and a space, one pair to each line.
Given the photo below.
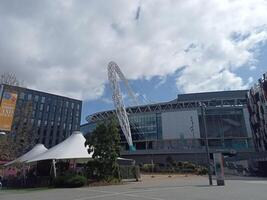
54, 167
24, 174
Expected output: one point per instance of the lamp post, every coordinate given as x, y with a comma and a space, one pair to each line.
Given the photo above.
202, 106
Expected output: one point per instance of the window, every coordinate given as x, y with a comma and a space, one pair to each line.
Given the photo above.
43, 99
72, 105
47, 108
36, 98
35, 106
38, 123
22, 95
41, 106
67, 104
76, 120
33, 113
59, 103
54, 109
45, 115
29, 96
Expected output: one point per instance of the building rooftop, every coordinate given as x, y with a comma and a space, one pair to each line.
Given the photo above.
205, 96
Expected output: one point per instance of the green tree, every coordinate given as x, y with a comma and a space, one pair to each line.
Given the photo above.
104, 142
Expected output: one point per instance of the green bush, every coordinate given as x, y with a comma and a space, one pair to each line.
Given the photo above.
76, 181
180, 167
147, 168
70, 181
202, 171
189, 165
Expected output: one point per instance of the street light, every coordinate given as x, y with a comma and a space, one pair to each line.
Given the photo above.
202, 106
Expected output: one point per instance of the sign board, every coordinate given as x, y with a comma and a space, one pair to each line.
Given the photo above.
180, 125
7, 109
218, 163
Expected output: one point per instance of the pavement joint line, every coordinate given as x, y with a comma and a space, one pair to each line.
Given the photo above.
108, 194
127, 193
142, 196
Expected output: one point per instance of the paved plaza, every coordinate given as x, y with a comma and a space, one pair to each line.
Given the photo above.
157, 188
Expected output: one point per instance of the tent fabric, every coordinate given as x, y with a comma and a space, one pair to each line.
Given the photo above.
35, 151
71, 148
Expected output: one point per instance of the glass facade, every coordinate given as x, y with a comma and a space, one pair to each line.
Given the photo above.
48, 116
226, 128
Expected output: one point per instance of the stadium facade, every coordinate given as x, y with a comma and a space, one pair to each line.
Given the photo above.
176, 127
49, 118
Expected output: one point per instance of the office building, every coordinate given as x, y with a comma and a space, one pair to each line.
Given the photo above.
49, 118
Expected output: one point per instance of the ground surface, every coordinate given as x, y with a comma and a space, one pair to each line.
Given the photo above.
161, 187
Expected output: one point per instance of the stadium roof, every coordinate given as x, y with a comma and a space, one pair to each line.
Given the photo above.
183, 101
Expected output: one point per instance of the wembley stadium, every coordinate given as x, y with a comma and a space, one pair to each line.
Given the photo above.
176, 128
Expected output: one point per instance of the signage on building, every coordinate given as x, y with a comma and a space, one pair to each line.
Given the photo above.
7, 109
180, 125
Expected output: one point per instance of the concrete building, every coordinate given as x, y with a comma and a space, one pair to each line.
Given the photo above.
257, 106
49, 118
175, 128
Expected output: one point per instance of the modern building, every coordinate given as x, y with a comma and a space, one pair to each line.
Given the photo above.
257, 106
176, 127
49, 118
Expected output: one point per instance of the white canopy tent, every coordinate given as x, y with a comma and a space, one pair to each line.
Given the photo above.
71, 148
35, 151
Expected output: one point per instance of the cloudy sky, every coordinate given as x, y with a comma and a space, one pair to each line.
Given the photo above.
164, 47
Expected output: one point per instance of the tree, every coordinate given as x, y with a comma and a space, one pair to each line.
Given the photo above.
9, 79
104, 142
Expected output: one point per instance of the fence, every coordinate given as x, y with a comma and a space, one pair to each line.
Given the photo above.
130, 172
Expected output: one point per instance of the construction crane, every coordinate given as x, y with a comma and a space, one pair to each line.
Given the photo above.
114, 73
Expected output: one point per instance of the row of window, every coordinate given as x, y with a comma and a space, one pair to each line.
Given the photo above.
48, 100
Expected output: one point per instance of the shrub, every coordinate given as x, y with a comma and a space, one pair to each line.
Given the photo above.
59, 181
202, 171
189, 165
70, 181
76, 181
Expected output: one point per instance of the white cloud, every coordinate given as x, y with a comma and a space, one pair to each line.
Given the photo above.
64, 46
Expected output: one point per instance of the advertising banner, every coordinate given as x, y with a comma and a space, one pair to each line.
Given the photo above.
7, 109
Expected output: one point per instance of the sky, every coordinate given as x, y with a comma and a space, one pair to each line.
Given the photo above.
163, 47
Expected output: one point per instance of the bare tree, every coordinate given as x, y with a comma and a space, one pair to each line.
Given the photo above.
9, 79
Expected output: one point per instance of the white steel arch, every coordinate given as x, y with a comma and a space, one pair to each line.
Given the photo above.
114, 73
